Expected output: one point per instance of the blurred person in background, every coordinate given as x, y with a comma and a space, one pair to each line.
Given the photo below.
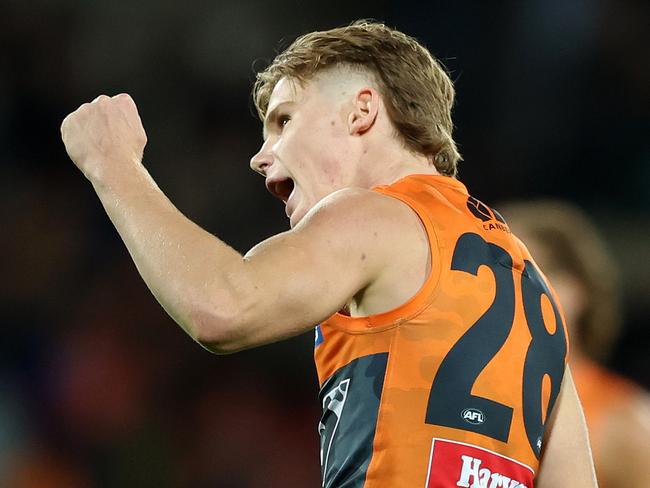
567, 246
431, 370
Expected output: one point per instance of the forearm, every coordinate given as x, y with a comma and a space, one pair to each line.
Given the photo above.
191, 273
199, 280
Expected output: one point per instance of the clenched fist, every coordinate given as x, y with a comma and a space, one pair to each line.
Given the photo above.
105, 136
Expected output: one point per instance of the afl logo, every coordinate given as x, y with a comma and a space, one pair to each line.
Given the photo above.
473, 416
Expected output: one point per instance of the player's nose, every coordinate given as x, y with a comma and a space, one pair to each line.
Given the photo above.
261, 161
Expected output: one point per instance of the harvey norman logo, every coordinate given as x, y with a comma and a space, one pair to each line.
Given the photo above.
473, 476
453, 463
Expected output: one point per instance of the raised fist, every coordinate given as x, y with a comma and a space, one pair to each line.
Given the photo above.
104, 136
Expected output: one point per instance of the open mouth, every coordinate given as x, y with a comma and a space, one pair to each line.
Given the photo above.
280, 188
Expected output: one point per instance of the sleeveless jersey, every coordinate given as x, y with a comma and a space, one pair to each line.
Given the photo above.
453, 387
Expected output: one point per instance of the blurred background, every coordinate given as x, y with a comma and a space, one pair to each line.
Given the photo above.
98, 387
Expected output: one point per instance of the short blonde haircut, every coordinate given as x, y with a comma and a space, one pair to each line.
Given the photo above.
417, 90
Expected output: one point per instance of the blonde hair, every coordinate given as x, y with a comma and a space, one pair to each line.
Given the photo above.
417, 90
574, 246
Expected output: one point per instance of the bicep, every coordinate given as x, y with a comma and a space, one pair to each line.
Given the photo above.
566, 460
292, 281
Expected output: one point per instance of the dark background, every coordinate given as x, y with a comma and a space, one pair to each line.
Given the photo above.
98, 387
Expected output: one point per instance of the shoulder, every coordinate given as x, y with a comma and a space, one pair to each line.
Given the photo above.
387, 234
347, 222
382, 230
350, 204
350, 241
361, 214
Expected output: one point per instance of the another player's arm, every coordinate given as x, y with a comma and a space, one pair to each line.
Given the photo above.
624, 445
566, 459
227, 302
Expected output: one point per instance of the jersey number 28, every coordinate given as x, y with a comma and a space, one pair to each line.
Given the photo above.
451, 403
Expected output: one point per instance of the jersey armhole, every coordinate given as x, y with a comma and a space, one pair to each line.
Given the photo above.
414, 305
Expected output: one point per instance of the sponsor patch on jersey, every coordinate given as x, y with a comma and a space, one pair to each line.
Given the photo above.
454, 464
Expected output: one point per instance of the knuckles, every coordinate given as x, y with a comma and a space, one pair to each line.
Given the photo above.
123, 97
101, 121
101, 105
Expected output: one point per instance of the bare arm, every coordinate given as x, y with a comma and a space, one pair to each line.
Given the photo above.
623, 450
566, 460
228, 302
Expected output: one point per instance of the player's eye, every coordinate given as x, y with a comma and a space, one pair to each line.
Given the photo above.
283, 120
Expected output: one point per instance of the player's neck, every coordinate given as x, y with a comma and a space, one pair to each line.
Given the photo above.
388, 165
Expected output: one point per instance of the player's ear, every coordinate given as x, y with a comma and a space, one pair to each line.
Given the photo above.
365, 107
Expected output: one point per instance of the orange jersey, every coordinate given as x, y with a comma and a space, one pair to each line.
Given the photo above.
453, 387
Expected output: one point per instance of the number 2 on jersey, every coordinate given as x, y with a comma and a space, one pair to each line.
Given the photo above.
451, 403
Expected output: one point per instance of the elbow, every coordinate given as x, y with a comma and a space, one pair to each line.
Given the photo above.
221, 320
220, 348
220, 334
